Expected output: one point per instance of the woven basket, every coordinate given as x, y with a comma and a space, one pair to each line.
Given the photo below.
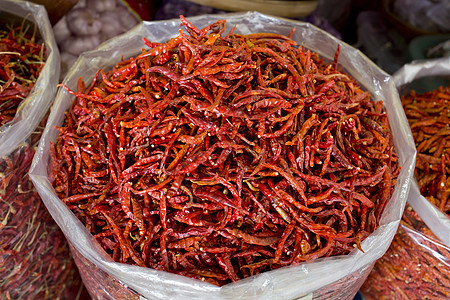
282, 8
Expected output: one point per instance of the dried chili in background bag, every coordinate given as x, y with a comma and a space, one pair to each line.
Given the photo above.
432, 139
322, 278
31, 110
22, 59
35, 259
417, 264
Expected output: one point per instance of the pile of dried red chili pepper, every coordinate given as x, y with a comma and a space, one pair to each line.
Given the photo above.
429, 118
21, 61
416, 266
222, 156
35, 260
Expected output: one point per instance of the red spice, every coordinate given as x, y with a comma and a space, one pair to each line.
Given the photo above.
35, 260
415, 266
21, 61
429, 118
235, 144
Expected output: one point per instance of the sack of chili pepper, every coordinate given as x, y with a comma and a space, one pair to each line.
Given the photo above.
20, 66
416, 265
35, 259
227, 159
424, 87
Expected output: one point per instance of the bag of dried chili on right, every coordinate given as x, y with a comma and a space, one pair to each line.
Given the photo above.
417, 264
424, 87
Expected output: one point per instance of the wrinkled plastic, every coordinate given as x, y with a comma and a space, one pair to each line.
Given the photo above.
315, 279
416, 266
431, 15
99, 283
33, 108
438, 222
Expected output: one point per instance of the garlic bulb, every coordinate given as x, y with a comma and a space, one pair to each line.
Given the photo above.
111, 25
101, 5
127, 18
82, 21
61, 31
80, 44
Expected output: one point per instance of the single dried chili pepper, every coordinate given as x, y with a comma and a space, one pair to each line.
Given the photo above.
228, 157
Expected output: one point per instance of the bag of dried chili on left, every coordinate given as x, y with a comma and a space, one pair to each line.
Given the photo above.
35, 259
25, 99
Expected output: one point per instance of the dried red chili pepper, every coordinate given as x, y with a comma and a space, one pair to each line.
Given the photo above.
415, 266
429, 118
231, 144
21, 61
35, 260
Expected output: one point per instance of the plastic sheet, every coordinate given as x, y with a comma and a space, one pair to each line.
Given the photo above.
432, 15
438, 222
33, 108
342, 275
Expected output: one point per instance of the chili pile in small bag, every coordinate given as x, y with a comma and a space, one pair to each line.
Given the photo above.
429, 117
417, 264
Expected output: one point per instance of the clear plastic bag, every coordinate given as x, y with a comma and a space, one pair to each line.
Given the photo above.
33, 108
406, 79
339, 276
416, 265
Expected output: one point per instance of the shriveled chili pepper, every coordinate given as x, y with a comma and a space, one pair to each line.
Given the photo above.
416, 265
232, 144
429, 118
35, 260
21, 61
